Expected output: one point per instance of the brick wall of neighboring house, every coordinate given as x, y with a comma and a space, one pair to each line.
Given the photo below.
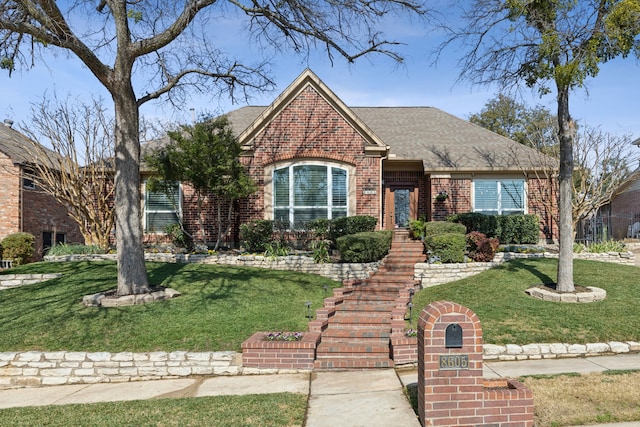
9, 197
542, 203
31, 211
311, 129
43, 213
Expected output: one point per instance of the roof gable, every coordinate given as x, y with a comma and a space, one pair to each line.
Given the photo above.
306, 80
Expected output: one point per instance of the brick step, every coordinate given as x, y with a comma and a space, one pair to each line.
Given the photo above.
369, 317
350, 306
371, 298
353, 363
348, 348
335, 332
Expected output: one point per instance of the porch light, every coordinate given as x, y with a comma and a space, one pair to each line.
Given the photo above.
410, 305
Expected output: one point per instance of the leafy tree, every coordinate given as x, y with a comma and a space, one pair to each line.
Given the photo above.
165, 46
535, 127
76, 170
548, 44
206, 156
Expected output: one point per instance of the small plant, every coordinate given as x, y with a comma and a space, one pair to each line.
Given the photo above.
481, 248
73, 249
321, 251
276, 248
283, 336
18, 247
177, 234
442, 196
409, 333
606, 246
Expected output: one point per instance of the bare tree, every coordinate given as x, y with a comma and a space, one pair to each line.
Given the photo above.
78, 170
603, 163
548, 44
157, 42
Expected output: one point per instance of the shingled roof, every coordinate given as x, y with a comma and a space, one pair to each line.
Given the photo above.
440, 140
20, 148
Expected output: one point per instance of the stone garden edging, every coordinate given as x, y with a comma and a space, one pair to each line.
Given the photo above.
37, 368
8, 281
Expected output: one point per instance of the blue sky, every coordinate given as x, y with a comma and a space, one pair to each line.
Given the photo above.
610, 101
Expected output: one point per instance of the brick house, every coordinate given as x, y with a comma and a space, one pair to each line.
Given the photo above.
23, 207
313, 156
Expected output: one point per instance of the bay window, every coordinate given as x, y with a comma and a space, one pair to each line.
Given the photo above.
303, 192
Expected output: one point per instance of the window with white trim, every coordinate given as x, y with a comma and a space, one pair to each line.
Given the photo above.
499, 196
162, 209
303, 192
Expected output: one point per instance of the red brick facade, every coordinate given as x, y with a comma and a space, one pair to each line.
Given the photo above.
31, 211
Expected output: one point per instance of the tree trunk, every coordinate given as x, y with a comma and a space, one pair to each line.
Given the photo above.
566, 133
132, 273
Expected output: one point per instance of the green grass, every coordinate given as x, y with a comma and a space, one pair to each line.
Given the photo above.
219, 308
271, 410
509, 316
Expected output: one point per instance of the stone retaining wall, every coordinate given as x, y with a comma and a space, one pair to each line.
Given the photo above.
34, 368
8, 281
300, 263
437, 274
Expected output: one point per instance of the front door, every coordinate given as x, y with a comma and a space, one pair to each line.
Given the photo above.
400, 206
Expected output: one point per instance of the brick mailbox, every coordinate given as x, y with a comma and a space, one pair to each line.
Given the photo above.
451, 387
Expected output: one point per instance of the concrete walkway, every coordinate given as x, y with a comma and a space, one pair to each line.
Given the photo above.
336, 398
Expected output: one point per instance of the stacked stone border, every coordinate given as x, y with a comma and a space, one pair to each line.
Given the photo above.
8, 281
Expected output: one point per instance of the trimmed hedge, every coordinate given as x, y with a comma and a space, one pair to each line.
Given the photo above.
434, 228
365, 247
18, 247
446, 248
509, 229
346, 225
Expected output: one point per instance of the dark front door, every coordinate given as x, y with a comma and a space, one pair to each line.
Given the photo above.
400, 206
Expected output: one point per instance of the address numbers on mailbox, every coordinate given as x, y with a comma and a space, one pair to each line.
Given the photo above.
454, 362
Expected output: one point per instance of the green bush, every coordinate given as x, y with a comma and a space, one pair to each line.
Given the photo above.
509, 229
475, 221
1, 252
416, 228
481, 248
365, 247
518, 229
606, 246
178, 236
434, 228
346, 225
256, 234
446, 248
18, 247
73, 249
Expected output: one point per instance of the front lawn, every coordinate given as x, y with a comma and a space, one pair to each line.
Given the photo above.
219, 308
509, 316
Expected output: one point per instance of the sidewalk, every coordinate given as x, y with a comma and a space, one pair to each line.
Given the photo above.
336, 398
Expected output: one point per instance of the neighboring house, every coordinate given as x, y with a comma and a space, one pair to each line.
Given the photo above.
622, 214
312, 156
23, 207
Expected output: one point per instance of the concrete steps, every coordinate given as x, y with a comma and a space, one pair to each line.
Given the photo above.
357, 334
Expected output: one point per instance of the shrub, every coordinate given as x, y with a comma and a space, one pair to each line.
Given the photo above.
74, 249
346, 225
365, 247
447, 247
18, 247
1, 252
481, 248
475, 221
434, 228
256, 234
319, 228
518, 229
416, 228
178, 236
509, 229
606, 246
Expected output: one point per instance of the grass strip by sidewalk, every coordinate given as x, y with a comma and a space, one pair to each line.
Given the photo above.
220, 307
265, 410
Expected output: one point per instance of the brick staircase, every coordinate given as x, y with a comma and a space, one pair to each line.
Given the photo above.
355, 323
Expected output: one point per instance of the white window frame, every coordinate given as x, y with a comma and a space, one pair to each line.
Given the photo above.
330, 207
146, 211
499, 209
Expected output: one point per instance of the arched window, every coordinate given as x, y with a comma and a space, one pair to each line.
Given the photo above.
303, 192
